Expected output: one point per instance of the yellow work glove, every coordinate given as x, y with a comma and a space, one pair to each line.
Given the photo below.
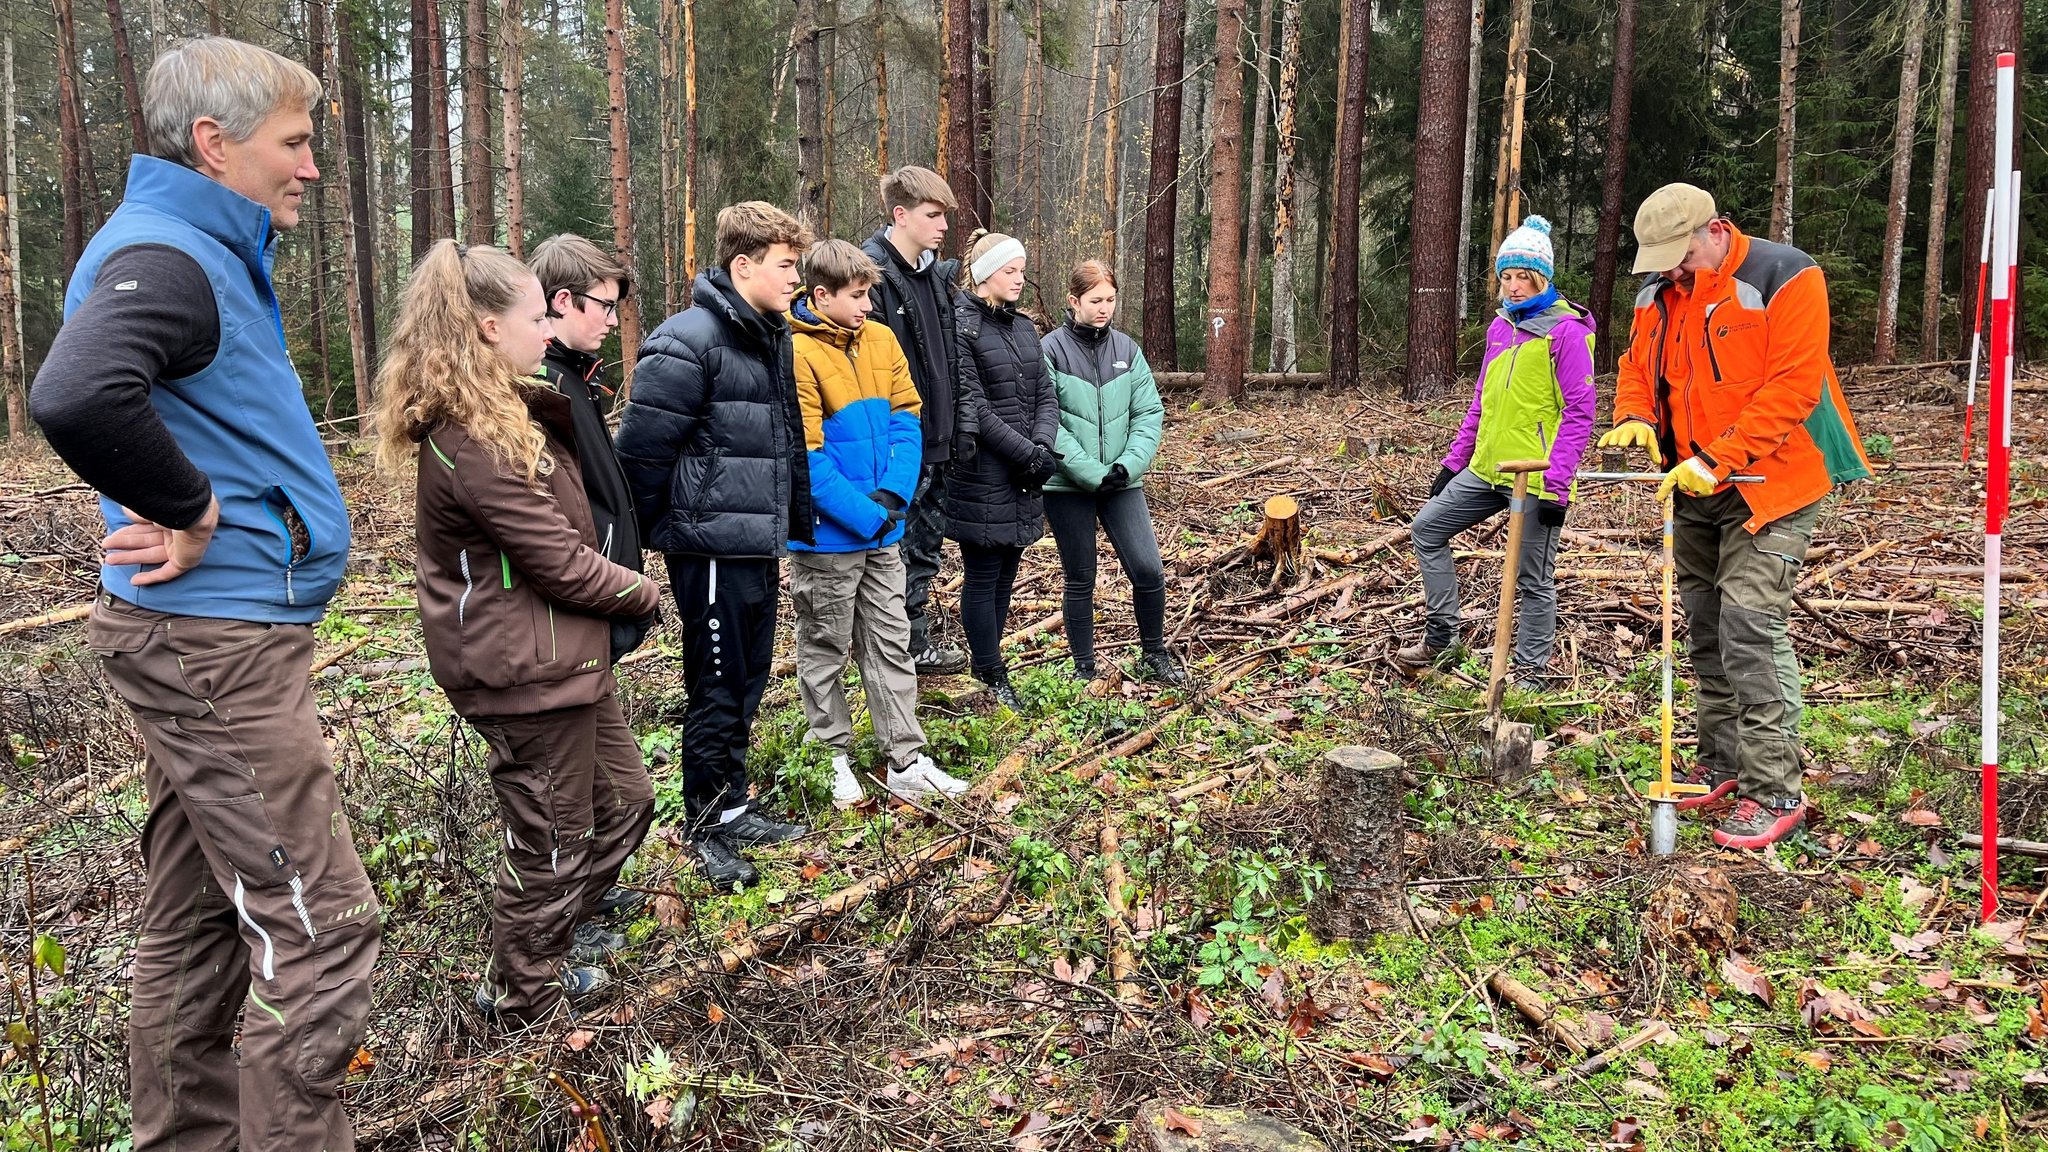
1692, 477
1634, 434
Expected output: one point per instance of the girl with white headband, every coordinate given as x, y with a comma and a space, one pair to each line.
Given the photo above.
1002, 453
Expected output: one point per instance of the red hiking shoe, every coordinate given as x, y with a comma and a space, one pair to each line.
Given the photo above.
1753, 825
1705, 774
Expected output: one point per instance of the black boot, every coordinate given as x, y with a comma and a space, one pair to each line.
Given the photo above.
1084, 667
1160, 666
998, 681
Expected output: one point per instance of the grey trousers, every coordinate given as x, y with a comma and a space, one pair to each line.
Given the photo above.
1737, 590
851, 603
1465, 501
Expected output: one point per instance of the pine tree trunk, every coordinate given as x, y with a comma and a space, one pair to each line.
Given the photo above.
942, 161
1344, 212
1281, 351
1162, 186
479, 195
1255, 203
623, 239
959, 155
985, 29
1614, 174
1472, 72
1101, 8
689, 148
124, 62
810, 120
1937, 200
830, 50
1884, 351
314, 216
1434, 242
1112, 191
359, 262
1037, 63
444, 152
12, 362
882, 93
423, 231
72, 149
1788, 106
1224, 351
1994, 28
671, 48
512, 51
1507, 176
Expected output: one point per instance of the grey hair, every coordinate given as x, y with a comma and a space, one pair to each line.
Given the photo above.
232, 82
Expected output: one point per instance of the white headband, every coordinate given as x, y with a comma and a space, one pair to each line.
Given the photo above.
1008, 249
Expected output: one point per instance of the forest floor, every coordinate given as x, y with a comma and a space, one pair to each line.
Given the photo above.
997, 979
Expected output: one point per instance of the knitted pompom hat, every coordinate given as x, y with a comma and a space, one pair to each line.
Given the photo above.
1528, 247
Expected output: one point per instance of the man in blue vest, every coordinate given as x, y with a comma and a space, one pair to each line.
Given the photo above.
169, 389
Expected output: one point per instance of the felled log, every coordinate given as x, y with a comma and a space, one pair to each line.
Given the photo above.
1193, 381
1123, 964
1530, 1004
1356, 833
1162, 1126
1653, 1032
60, 616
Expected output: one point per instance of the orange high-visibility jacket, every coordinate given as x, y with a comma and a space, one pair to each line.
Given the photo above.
1737, 373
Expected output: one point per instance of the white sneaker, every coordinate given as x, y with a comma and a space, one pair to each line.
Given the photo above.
923, 778
846, 789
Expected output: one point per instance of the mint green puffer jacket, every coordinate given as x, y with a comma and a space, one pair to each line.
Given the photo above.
1109, 406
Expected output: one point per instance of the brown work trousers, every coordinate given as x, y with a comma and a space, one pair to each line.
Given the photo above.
575, 801
255, 896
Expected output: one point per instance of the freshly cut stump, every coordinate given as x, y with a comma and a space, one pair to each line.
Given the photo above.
1279, 538
1215, 1130
1358, 837
1691, 912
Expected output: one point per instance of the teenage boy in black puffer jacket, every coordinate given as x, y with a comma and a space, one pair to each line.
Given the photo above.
713, 446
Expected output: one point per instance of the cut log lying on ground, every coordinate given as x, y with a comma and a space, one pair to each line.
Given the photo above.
1209, 784
1193, 381
1532, 1007
2006, 845
1353, 555
1304, 598
1123, 966
1358, 837
1655, 1031
60, 616
72, 807
1246, 474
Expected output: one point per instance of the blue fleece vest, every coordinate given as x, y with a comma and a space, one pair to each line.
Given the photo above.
242, 419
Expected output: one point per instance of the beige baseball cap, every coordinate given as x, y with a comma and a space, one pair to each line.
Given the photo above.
1665, 223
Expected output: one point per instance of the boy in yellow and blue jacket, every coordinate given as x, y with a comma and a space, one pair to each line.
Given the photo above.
865, 440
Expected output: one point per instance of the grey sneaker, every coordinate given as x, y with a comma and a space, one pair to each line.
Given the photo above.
594, 942
940, 660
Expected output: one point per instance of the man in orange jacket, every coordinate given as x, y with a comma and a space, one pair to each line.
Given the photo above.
1727, 371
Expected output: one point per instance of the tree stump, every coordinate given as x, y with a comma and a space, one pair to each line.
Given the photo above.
1279, 538
1358, 837
1214, 1130
1691, 912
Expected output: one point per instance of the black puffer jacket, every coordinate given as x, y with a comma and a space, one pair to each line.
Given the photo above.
990, 499
906, 297
712, 441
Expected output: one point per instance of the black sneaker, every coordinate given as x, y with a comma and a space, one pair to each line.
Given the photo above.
620, 902
722, 866
1159, 666
1084, 669
594, 942
750, 827
998, 684
940, 660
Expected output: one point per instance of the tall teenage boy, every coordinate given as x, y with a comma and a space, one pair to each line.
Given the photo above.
713, 446
915, 299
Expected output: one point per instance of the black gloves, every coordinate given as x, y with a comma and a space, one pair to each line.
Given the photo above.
1550, 513
1043, 463
1442, 481
1117, 480
889, 501
964, 448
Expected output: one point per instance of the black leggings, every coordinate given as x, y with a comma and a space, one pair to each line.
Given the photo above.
1073, 516
990, 576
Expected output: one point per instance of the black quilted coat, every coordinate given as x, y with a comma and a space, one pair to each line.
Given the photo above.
711, 440
990, 500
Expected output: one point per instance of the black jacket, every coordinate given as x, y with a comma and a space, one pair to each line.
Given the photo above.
712, 440
580, 377
1005, 390
911, 301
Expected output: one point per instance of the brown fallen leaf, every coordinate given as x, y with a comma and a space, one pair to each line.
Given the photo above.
714, 1013
1744, 976
361, 1063
1921, 818
578, 1040
1175, 1120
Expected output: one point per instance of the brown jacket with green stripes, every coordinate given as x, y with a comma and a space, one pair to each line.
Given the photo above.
515, 597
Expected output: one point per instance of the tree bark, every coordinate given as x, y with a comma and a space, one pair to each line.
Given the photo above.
479, 195
1788, 106
1937, 199
12, 366
1037, 64
810, 120
423, 231
314, 216
689, 147
1434, 242
512, 51
986, 27
1101, 9
1162, 186
829, 48
671, 50
1358, 837
1472, 73
1112, 192
1884, 351
1994, 28
444, 148
359, 261
1255, 203
882, 93
1614, 174
1281, 352
623, 238
1507, 176
124, 63
959, 154
74, 151
1344, 212
1224, 351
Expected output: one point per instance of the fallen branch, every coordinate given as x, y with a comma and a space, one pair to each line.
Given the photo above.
60, 616
1210, 784
333, 658
1354, 555
1840, 566
1879, 607
1303, 599
2006, 845
1656, 1030
1051, 623
1248, 473
73, 807
1123, 967
1531, 1005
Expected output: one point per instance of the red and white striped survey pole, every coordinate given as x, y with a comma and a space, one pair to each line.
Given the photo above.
1998, 444
1977, 328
